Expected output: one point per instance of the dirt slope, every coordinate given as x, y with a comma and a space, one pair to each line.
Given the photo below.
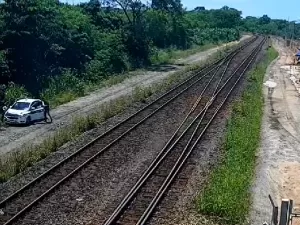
12, 138
279, 156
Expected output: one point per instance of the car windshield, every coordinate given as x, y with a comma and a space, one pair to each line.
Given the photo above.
20, 106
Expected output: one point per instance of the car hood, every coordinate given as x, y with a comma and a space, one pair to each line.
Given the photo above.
16, 112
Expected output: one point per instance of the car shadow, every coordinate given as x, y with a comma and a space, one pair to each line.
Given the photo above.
26, 125
40, 122
163, 68
17, 125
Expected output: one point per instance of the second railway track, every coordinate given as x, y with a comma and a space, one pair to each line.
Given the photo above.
140, 202
25, 198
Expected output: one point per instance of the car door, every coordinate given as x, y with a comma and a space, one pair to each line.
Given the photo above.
39, 111
34, 111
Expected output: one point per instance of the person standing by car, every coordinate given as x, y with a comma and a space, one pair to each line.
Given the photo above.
4, 108
47, 112
2, 104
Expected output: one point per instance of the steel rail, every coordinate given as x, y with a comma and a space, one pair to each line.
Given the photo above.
183, 158
78, 168
117, 125
150, 169
156, 162
144, 177
97, 138
105, 133
17, 215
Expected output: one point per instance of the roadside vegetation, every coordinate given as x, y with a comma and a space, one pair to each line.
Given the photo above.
59, 52
227, 195
12, 164
56, 51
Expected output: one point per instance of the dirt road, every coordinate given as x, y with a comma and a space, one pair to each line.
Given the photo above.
279, 156
12, 138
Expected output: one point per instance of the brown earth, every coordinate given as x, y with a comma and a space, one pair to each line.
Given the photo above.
279, 156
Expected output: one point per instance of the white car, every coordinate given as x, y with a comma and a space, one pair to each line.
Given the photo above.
25, 111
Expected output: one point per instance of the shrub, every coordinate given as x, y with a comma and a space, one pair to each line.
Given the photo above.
63, 88
13, 92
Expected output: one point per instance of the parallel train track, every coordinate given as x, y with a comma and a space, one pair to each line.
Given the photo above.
140, 202
22, 200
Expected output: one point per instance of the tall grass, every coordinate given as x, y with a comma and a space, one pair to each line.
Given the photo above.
164, 56
228, 192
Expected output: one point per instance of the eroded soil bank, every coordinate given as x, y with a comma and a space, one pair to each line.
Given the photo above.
279, 156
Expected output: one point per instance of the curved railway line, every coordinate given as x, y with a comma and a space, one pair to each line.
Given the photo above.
135, 207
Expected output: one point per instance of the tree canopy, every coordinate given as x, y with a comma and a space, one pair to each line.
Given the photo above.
48, 47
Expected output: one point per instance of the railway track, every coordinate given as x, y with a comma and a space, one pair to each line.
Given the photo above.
17, 204
140, 202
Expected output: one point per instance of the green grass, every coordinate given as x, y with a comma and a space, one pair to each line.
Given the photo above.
170, 55
13, 164
228, 193
176, 54
63, 98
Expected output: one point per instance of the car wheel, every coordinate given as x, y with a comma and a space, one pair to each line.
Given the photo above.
28, 120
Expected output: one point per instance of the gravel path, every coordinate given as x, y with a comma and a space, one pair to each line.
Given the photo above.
279, 156
12, 138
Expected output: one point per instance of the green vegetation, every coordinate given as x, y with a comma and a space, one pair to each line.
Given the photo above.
14, 163
227, 194
58, 51
266, 25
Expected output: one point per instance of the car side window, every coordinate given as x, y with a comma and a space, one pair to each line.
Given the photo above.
39, 104
34, 105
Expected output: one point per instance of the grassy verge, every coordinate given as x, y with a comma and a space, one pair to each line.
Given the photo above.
227, 195
169, 56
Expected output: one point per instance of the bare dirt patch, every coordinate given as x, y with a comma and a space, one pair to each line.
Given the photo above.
290, 178
279, 156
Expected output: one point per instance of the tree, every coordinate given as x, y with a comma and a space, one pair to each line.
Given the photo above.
199, 9
264, 20
226, 17
31, 37
50, 45
171, 6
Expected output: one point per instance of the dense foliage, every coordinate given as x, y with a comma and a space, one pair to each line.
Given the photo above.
54, 49
266, 25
